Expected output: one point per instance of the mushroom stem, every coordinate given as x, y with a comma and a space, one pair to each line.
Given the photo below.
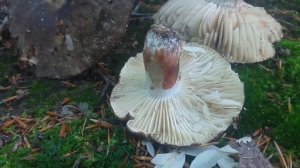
161, 59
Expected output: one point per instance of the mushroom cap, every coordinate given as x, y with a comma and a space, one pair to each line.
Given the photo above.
210, 95
239, 31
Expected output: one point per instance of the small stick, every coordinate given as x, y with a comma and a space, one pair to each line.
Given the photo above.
138, 144
108, 136
280, 64
35, 150
257, 132
264, 141
290, 161
265, 68
26, 142
10, 99
5, 88
282, 160
83, 127
8, 124
143, 158
92, 126
26, 120
289, 105
231, 139
68, 84
158, 150
266, 147
208, 144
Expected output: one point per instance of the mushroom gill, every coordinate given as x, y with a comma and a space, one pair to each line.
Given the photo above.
177, 93
239, 31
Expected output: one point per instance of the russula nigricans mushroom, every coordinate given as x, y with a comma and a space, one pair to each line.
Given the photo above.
239, 31
177, 93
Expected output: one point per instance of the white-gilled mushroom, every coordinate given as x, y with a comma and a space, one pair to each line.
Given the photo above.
177, 93
239, 31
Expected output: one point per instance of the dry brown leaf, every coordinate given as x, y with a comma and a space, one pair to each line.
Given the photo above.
65, 130
8, 124
52, 114
35, 150
21, 123
66, 100
257, 132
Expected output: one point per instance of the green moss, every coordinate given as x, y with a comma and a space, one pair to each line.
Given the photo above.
92, 144
266, 97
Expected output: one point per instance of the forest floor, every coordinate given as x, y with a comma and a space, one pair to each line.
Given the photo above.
54, 123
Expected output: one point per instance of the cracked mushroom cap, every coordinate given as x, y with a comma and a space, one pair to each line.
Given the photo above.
239, 31
177, 93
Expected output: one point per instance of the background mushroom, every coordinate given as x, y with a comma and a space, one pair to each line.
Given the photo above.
62, 38
178, 94
239, 31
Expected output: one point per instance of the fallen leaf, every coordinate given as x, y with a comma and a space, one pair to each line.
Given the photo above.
66, 101
65, 130
149, 147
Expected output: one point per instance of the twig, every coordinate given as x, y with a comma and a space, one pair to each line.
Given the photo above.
107, 83
281, 157
5, 88
108, 136
13, 98
265, 68
83, 127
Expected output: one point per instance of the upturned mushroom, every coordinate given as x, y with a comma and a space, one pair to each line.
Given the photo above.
177, 93
239, 31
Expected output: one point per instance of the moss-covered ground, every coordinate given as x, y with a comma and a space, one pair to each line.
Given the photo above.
272, 97
272, 91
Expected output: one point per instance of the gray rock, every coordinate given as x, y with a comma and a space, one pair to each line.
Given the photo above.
60, 39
